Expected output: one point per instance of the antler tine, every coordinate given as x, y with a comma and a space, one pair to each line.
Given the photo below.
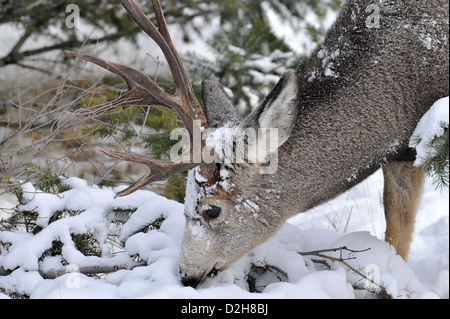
183, 87
144, 91
158, 170
161, 36
183, 77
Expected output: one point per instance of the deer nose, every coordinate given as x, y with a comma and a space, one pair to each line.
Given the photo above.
189, 282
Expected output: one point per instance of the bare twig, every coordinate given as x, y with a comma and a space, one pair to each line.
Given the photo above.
138, 135
343, 260
277, 271
319, 253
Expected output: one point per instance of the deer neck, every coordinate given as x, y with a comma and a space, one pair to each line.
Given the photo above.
355, 114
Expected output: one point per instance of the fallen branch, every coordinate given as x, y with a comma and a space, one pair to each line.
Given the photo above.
92, 270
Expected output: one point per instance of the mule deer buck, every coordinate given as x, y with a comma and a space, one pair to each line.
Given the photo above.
349, 109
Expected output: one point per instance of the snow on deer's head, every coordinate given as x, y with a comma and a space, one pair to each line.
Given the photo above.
226, 216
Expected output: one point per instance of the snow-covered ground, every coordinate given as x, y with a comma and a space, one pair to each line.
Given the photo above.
275, 269
355, 220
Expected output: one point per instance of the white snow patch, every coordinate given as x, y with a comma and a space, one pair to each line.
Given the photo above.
429, 127
334, 224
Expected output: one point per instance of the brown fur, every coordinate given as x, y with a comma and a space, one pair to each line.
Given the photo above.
402, 189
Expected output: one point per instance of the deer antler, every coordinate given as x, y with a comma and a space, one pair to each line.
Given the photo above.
143, 91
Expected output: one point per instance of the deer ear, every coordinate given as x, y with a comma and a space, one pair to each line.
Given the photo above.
279, 110
218, 108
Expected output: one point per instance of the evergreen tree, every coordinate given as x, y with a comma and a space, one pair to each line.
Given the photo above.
52, 19
431, 143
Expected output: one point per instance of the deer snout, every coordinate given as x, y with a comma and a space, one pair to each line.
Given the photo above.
192, 277
194, 281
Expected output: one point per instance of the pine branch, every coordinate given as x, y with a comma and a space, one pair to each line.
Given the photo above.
435, 163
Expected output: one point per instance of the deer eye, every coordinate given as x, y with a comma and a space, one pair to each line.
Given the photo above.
211, 212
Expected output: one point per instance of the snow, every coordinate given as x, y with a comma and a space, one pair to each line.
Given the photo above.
431, 125
192, 194
354, 220
327, 62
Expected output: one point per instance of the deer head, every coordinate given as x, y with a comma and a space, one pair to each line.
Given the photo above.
222, 223
225, 218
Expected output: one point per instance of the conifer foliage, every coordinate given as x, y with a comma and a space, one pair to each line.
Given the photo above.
430, 139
